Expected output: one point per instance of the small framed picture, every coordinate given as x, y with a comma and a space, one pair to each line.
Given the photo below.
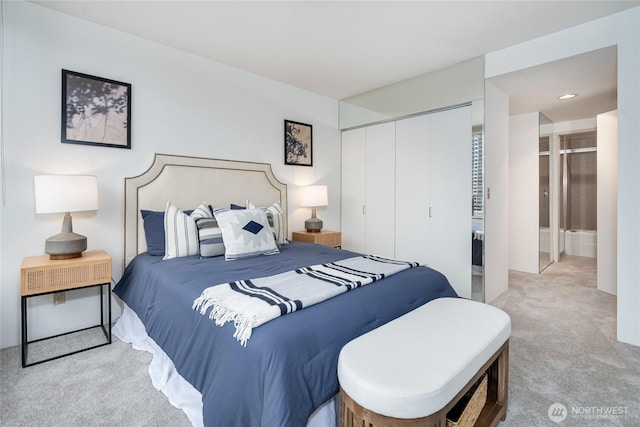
298, 144
95, 111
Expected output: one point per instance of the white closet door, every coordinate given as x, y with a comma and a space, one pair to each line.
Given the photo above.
412, 189
450, 189
380, 192
353, 189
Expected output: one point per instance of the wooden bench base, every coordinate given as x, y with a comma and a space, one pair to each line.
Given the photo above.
495, 410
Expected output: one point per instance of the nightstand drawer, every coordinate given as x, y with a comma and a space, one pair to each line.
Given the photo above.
41, 275
324, 237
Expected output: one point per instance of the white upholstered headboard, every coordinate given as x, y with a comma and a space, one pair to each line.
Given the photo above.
189, 181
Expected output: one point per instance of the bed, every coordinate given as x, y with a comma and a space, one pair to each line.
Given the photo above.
286, 375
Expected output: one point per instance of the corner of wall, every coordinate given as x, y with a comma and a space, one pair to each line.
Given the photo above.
496, 274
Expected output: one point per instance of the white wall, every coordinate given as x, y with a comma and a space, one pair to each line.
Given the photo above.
562, 128
2, 180
181, 104
453, 85
524, 186
620, 29
607, 193
496, 167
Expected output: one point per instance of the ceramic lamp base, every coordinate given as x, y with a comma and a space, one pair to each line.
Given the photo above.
313, 225
65, 246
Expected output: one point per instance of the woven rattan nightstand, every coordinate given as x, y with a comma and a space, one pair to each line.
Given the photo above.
323, 237
41, 276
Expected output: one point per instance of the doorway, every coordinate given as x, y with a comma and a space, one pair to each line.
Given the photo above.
592, 77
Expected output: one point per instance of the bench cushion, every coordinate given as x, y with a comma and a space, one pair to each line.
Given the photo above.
414, 365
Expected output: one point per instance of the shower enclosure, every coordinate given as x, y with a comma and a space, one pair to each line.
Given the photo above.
578, 194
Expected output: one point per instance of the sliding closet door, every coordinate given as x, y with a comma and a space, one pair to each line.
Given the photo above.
412, 189
413, 179
380, 190
450, 189
354, 143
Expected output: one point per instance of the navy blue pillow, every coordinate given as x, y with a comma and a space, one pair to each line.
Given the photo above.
154, 231
236, 207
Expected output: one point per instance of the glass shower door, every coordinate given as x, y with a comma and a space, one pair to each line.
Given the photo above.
579, 196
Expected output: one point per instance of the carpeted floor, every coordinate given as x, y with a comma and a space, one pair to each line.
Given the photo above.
563, 351
106, 386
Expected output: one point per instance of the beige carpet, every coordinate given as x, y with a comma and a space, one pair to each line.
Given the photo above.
563, 351
106, 386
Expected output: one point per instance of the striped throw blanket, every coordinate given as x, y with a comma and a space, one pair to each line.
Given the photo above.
251, 303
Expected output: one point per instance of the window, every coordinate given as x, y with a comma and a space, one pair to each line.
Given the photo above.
477, 171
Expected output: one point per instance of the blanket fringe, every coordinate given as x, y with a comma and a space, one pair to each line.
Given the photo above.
203, 302
221, 313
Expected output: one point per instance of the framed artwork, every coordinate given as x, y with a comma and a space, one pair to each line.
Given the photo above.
95, 111
298, 144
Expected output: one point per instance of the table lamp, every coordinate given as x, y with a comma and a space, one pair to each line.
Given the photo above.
65, 193
313, 196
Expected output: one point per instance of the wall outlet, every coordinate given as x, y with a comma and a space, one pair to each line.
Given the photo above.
58, 298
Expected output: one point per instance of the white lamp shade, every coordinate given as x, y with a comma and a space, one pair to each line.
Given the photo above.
313, 195
66, 193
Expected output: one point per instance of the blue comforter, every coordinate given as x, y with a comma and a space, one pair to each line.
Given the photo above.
289, 367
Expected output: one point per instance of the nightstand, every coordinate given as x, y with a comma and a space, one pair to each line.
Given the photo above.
42, 276
323, 237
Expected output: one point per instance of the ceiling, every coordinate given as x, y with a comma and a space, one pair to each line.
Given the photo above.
339, 48
591, 76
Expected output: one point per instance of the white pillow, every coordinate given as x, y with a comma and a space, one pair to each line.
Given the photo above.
245, 233
275, 216
181, 232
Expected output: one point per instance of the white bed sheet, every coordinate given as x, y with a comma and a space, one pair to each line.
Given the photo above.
180, 393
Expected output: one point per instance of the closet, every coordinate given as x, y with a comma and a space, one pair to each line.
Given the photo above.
406, 188
368, 187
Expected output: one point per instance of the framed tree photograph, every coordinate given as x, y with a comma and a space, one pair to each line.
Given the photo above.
298, 144
95, 110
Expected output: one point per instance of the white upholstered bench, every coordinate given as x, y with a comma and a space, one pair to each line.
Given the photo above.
413, 370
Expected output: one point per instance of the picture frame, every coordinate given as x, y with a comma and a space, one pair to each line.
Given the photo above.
95, 111
298, 143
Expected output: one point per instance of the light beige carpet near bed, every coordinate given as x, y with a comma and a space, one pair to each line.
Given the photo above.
106, 386
563, 351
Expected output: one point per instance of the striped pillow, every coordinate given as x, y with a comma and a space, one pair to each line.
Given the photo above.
202, 211
275, 216
210, 237
181, 232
